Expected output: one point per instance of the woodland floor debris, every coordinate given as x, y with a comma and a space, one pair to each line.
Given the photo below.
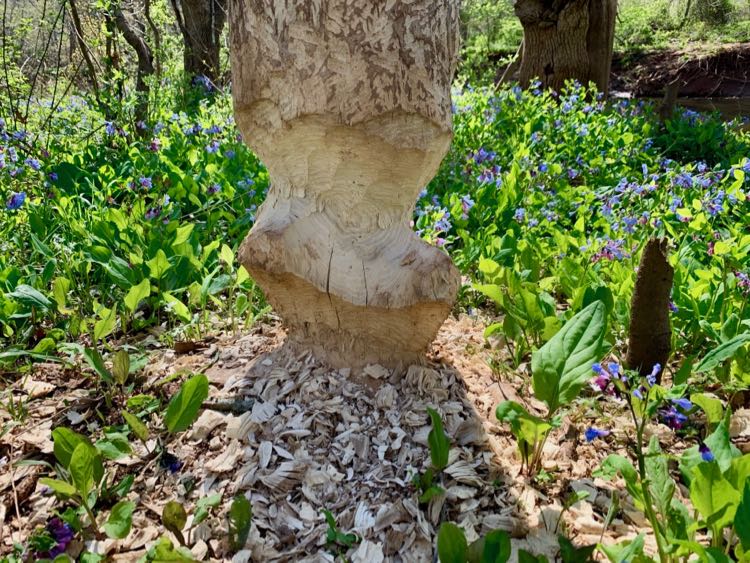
314, 439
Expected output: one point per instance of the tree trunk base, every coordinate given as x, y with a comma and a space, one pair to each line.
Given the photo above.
332, 247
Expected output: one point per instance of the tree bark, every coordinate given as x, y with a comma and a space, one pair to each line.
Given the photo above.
348, 105
567, 39
650, 338
137, 41
201, 23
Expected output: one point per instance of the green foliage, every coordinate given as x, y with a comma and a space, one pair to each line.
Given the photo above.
183, 408
240, 515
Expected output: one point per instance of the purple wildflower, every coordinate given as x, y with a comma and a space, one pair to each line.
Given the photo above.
213, 188
109, 128
683, 403
62, 533
651, 378
153, 213
33, 163
145, 182
213, 147
170, 461
673, 418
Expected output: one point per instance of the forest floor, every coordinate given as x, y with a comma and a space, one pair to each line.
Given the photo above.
305, 439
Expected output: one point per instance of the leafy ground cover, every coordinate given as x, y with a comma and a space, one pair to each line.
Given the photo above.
119, 238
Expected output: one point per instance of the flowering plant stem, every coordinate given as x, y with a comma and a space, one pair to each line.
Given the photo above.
640, 425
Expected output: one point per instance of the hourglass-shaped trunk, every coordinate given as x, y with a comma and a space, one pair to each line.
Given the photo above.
347, 102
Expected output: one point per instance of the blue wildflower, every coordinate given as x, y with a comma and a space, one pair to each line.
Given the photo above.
15, 201
651, 378
153, 213
594, 433
33, 163
170, 461
706, 453
214, 188
213, 147
109, 128
683, 403
673, 418
519, 214
145, 182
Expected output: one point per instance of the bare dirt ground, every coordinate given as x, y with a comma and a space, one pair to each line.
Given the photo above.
721, 73
306, 439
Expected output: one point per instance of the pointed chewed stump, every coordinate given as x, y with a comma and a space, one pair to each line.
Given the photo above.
347, 102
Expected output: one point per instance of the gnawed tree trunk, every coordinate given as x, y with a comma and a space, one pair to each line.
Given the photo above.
650, 338
567, 39
348, 105
201, 23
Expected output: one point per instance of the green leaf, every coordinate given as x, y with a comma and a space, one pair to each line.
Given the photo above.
114, 445
712, 406
526, 557
164, 551
183, 408
528, 429
451, 544
106, 324
177, 307
182, 234
569, 553
562, 366
95, 360
204, 506
712, 495
722, 353
240, 515
158, 265
30, 297
136, 294
614, 464
82, 469
60, 487
121, 366
174, 518
719, 443
496, 547
226, 255
742, 518
661, 484
624, 551
438, 441
60, 288
139, 428
120, 519
65, 442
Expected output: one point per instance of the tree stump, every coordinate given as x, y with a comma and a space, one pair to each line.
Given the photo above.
347, 102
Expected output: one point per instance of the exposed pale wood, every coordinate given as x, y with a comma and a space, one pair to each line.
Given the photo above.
347, 102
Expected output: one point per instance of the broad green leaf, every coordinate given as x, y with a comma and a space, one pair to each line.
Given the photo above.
712, 406
121, 366
451, 544
95, 360
82, 469
203, 507
60, 487
661, 484
226, 255
136, 294
527, 428
240, 515
158, 265
183, 408
30, 297
164, 551
174, 518
177, 307
120, 519
614, 464
712, 495
494, 547
182, 234
624, 551
722, 353
106, 323
114, 445
742, 518
65, 442
139, 428
60, 288
719, 443
562, 366
569, 553
526, 557
438, 441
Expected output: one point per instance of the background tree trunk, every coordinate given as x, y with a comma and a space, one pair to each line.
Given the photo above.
135, 35
201, 23
567, 39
